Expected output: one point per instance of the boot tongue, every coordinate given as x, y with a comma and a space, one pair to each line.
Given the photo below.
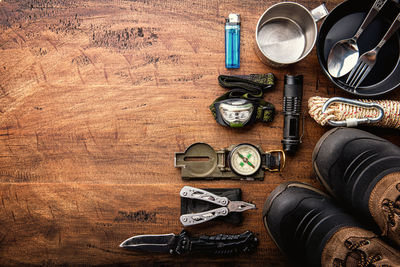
397, 205
352, 259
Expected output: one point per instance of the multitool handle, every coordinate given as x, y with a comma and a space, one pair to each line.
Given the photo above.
196, 193
197, 218
223, 245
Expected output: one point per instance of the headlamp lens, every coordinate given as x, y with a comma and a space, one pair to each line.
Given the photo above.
236, 113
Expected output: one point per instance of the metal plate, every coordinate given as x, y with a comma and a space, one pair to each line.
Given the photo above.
342, 23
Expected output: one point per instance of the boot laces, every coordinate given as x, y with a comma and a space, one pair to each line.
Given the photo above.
364, 260
392, 208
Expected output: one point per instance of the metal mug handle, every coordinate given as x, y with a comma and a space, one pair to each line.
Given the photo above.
319, 12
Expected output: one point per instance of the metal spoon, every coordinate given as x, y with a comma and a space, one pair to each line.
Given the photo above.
344, 54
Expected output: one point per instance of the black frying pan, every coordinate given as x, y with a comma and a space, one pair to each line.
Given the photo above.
342, 23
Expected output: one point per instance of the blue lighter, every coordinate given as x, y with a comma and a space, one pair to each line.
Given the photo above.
232, 41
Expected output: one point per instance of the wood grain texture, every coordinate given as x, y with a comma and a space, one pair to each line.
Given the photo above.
95, 98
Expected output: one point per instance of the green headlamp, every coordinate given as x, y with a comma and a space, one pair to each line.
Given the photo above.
235, 112
243, 104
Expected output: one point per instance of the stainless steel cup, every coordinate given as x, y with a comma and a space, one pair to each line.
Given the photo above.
287, 32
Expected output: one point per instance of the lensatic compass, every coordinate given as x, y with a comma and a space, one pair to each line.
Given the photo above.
243, 161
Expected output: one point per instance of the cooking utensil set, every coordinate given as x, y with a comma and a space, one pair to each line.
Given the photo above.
344, 55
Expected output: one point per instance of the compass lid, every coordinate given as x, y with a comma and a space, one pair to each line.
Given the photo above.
198, 160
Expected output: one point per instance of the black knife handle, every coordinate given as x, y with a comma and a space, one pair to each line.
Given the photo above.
222, 245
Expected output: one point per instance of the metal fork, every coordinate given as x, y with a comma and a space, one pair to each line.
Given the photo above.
367, 60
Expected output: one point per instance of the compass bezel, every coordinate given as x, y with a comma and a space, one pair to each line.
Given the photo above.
231, 165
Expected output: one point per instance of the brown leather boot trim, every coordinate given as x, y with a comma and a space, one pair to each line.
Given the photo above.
386, 189
336, 249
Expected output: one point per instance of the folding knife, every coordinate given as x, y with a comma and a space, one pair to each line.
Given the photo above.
220, 244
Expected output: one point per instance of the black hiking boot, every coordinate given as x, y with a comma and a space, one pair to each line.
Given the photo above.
363, 171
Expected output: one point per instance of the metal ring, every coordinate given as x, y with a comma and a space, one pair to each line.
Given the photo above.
353, 121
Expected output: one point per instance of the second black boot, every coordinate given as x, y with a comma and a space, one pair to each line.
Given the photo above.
312, 230
363, 171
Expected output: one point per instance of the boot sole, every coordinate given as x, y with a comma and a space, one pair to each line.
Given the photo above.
315, 167
276, 192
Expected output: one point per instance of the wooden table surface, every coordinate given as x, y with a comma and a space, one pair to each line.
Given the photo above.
95, 98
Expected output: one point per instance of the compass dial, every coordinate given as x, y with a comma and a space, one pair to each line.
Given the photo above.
245, 159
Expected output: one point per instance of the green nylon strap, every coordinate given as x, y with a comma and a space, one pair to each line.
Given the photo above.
247, 86
213, 110
265, 112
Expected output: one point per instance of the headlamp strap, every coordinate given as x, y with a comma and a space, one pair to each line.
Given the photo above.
265, 111
247, 86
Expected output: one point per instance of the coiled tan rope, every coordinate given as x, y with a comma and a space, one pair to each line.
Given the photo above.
341, 111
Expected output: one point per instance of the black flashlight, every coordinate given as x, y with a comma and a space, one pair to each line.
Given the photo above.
292, 96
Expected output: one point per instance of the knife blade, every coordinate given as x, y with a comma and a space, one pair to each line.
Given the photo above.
151, 243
